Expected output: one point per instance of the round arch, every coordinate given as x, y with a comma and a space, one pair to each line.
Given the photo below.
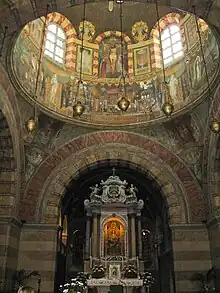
46, 187
108, 34
25, 10
211, 158
10, 110
71, 35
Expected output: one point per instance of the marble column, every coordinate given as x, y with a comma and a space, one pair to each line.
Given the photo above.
95, 236
88, 228
139, 237
133, 236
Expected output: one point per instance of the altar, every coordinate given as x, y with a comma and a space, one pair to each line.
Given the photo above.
113, 236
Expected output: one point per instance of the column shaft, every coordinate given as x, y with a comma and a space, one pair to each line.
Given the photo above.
139, 238
95, 236
87, 245
133, 240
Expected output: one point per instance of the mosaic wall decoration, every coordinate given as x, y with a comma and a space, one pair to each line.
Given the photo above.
140, 31
102, 65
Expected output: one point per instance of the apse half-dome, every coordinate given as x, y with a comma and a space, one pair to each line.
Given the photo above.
101, 67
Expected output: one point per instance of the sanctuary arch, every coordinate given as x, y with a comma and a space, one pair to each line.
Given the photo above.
85, 151
41, 202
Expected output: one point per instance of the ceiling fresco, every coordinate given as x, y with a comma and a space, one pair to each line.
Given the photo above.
101, 68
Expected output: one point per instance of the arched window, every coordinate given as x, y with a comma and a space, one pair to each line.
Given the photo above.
171, 43
55, 45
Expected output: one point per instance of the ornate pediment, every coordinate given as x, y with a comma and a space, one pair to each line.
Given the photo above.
113, 190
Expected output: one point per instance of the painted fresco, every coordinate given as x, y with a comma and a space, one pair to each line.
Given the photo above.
101, 73
110, 62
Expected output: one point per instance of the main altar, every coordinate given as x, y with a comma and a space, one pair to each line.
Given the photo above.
113, 236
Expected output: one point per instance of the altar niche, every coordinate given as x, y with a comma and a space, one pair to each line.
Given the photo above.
114, 237
114, 210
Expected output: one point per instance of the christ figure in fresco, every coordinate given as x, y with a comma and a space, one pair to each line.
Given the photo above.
111, 64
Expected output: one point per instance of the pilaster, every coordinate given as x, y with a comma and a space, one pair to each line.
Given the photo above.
191, 255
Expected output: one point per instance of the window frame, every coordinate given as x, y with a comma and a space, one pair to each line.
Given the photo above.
55, 44
169, 37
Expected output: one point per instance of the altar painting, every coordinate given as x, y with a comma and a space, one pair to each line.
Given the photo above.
110, 61
114, 234
142, 63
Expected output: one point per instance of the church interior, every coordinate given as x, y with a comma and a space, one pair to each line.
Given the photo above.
109, 146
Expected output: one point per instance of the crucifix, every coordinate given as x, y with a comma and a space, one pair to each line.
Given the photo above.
113, 171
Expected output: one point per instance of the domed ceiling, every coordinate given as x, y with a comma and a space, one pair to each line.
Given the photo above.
56, 90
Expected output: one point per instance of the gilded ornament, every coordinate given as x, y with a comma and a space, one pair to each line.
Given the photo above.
140, 31
89, 30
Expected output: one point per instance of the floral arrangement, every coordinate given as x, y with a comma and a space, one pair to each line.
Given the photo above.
130, 272
77, 285
148, 279
98, 271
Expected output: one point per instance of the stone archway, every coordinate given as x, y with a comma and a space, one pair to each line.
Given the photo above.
180, 186
11, 142
211, 159
11, 178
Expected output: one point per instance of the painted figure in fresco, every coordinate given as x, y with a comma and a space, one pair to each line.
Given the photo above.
113, 241
173, 87
197, 69
42, 84
142, 58
111, 64
67, 94
86, 61
30, 75
54, 88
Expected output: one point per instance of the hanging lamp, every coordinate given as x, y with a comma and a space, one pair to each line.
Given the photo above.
31, 123
79, 107
167, 106
123, 103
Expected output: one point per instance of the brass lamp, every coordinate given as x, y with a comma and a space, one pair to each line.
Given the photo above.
123, 104
215, 126
78, 109
31, 125
167, 108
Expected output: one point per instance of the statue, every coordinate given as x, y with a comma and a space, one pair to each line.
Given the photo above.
94, 196
133, 190
131, 197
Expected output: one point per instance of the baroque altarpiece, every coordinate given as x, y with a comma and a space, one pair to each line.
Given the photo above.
113, 234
